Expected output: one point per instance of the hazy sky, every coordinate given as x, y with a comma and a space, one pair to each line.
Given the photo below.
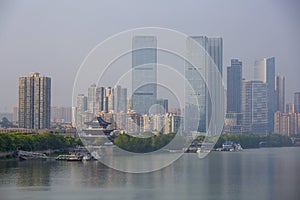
53, 37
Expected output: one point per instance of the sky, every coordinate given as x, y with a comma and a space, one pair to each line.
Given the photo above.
54, 37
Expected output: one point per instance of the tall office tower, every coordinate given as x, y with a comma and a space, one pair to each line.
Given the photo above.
100, 93
290, 108
254, 107
234, 86
81, 109
144, 73
123, 104
264, 70
298, 122
196, 91
34, 101
163, 106
117, 98
108, 101
280, 92
91, 99
297, 102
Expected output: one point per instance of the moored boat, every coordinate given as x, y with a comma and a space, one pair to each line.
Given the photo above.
28, 155
70, 157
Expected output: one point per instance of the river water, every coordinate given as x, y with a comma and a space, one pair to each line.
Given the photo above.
268, 173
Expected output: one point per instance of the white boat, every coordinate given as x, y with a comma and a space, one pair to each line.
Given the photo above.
199, 150
231, 146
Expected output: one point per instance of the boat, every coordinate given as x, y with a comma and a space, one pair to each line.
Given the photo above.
89, 157
238, 147
29, 155
231, 146
199, 150
70, 157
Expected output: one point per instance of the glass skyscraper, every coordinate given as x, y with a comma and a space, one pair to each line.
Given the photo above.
234, 86
254, 107
120, 99
297, 102
100, 93
91, 99
196, 90
280, 93
264, 70
144, 73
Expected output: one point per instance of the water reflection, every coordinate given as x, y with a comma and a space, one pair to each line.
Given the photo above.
33, 174
251, 174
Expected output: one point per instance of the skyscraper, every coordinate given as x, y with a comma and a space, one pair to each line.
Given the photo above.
163, 106
91, 99
264, 70
280, 92
285, 123
34, 101
100, 92
120, 99
254, 107
234, 86
81, 109
195, 86
297, 102
108, 101
123, 104
290, 108
61, 114
144, 73
117, 98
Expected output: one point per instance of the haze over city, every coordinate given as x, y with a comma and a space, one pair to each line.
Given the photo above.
53, 38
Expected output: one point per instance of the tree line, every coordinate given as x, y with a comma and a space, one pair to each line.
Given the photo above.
254, 141
35, 142
145, 144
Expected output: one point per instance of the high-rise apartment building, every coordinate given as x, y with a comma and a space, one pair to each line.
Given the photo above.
81, 109
144, 73
286, 123
198, 106
15, 114
297, 102
81, 103
280, 92
254, 107
61, 114
264, 70
34, 101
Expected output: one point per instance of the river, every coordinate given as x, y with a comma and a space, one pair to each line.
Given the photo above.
267, 173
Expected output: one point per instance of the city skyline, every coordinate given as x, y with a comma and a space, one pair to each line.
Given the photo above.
46, 44
144, 61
